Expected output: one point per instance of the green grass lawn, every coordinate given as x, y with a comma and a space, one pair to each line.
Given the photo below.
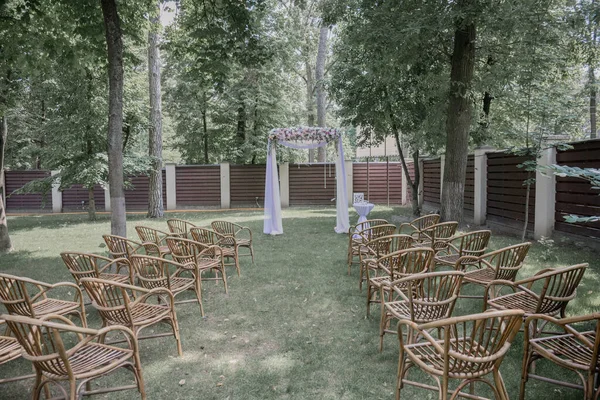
293, 325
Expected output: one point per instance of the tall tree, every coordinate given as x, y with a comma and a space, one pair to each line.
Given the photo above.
320, 84
114, 41
155, 199
5, 243
458, 121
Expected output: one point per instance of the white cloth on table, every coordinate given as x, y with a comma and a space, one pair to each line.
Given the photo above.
363, 210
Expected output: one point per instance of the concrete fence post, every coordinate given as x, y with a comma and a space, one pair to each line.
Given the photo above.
107, 198
421, 183
350, 181
225, 186
284, 184
480, 185
56, 195
442, 162
545, 195
171, 182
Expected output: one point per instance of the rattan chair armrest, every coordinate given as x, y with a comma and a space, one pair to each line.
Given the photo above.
213, 247
77, 289
156, 292
491, 286
463, 262
225, 238
414, 228
131, 339
560, 323
115, 261
245, 228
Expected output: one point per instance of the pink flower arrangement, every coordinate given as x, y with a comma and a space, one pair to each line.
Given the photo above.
299, 133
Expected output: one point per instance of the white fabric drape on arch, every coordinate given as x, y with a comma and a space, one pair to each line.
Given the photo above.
272, 223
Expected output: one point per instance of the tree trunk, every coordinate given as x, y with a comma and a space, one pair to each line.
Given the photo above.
310, 104
459, 118
592, 78
114, 41
5, 243
241, 132
155, 199
320, 77
91, 204
414, 184
205, 133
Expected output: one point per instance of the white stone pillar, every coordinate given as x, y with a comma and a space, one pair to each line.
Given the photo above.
284, 184
442, 162
350, 181
107, 198
421, 182
56, 195
225, 186
480, 185
404, 185
171, 182
545, 195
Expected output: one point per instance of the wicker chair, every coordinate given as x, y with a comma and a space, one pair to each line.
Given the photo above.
201, 256
241, 234
48, 344
569, 348
354, 239
209, 237
420, 298
10, 349
153, 272
468, 244
85, 265
121, 247
437, 236
116, 306
395, 266
468, 348
502, 264
416, 226
153, 241
180, 227
379, 247
360, 249
548, 292
16, 297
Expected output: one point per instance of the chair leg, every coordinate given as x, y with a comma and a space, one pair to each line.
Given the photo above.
525, 369
382, 325
368, 299
175, 326
252, 253
73, 390
37, 386
401, 365
236, 258
137, 371
224, 275
198, 285
500, 387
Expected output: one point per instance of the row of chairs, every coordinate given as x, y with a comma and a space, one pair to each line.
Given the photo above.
418, 278
132, 291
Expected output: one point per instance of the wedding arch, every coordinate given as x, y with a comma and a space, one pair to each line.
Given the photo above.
303, 138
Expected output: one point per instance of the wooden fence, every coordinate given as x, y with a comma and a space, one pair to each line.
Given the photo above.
381, 182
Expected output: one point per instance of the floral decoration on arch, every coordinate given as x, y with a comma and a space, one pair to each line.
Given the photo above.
301, 133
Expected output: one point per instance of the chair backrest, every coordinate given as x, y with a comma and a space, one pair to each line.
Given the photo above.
150, 235
225, 227
14, 295
425, 221
555, 287
119, 246
508, 260
384, 245
110, 298
47, 340
377, 231
370, 222
430, 296
473, 243
408, 262
153, 272
180, 226
206, 236
185, 251
473, 344
84, 265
